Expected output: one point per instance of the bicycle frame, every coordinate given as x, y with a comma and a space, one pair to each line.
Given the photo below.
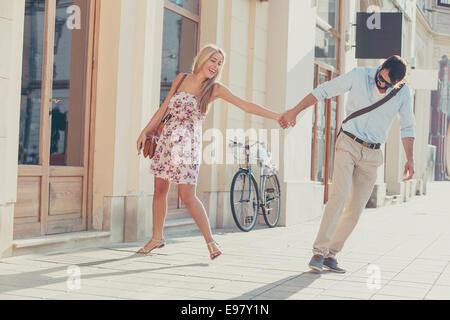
248, 168
263, 178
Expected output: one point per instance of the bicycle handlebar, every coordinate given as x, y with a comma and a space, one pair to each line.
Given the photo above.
234, 143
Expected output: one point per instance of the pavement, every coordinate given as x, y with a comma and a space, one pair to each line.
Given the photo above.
397, 252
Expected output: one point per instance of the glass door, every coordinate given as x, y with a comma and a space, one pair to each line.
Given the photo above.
54, 118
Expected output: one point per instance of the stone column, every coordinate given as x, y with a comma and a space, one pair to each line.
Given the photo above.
137, 100
290, 74
11, 42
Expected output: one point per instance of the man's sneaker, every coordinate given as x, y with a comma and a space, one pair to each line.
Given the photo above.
331, 264
316, 263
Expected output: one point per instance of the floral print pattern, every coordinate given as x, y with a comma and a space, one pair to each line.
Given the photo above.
178, 151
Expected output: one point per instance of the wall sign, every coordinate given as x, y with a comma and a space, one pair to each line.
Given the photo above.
378, 35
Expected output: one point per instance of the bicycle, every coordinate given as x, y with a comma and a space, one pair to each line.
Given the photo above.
245, 194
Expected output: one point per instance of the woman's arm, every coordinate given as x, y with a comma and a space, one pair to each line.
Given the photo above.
220, 91
157, 117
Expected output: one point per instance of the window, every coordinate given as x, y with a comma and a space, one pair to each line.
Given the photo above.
328, 10
190, 5
327, 32
326, 47
325, 116
180, 38
445, 3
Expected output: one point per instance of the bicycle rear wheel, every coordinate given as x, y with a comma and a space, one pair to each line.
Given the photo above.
244, 199
272, 194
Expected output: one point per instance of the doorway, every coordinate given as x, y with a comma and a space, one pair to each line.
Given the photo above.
52, 188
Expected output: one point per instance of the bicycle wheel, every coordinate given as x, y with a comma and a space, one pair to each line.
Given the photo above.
244, 199
271, 209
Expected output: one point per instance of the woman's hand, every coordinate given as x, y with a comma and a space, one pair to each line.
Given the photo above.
142, 137
141, 142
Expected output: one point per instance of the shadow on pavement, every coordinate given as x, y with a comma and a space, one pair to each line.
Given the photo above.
282, 289
39, 277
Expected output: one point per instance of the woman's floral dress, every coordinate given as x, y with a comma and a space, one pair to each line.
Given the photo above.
178, 151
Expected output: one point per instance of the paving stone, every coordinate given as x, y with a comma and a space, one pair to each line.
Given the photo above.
28, 292
411, 292
76, 296
327, 297
14, 297
348, 293
421, 277
439, 293
388, 297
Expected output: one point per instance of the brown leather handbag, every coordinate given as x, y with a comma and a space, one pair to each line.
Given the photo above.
152, 139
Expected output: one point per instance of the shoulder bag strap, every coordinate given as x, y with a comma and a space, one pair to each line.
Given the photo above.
375, 105
164, 120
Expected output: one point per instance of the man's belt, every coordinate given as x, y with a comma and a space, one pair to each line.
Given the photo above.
364, 143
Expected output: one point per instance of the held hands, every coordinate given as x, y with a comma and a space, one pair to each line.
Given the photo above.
409, 170
287, 119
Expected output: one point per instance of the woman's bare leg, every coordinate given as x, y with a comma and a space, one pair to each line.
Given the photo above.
159, 214
196, 209
159, 207
198, 213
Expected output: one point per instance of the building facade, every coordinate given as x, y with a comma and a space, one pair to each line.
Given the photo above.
432, 47
81, 78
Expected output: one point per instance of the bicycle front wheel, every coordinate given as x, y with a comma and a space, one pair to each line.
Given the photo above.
244, 199
272, 201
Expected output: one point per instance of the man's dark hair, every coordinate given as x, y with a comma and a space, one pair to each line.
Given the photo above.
397, 68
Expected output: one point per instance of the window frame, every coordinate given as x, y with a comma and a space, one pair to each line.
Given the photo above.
184, 12
320, 66
188, 15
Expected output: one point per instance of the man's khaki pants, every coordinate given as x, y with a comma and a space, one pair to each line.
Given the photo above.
354, 175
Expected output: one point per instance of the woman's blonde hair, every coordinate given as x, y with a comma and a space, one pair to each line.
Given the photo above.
207, 89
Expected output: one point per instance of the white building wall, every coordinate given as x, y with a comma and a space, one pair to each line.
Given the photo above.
290, 77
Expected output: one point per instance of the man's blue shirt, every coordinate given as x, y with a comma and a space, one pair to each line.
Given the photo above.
372, 126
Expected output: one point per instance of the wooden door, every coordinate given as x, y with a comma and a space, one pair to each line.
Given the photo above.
54, 118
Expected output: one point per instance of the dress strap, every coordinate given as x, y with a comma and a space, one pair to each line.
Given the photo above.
179, 83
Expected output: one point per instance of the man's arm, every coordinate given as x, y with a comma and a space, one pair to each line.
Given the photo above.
407, 132
408, 145
326, 90
289, 117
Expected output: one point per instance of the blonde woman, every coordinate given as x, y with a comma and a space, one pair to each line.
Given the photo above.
178, 150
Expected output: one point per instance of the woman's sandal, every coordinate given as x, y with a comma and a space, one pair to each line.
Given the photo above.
214, 250
156, 244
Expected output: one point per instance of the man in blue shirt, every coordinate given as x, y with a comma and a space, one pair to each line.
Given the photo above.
358, 153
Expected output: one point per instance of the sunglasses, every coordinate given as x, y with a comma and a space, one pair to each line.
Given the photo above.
380, 78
